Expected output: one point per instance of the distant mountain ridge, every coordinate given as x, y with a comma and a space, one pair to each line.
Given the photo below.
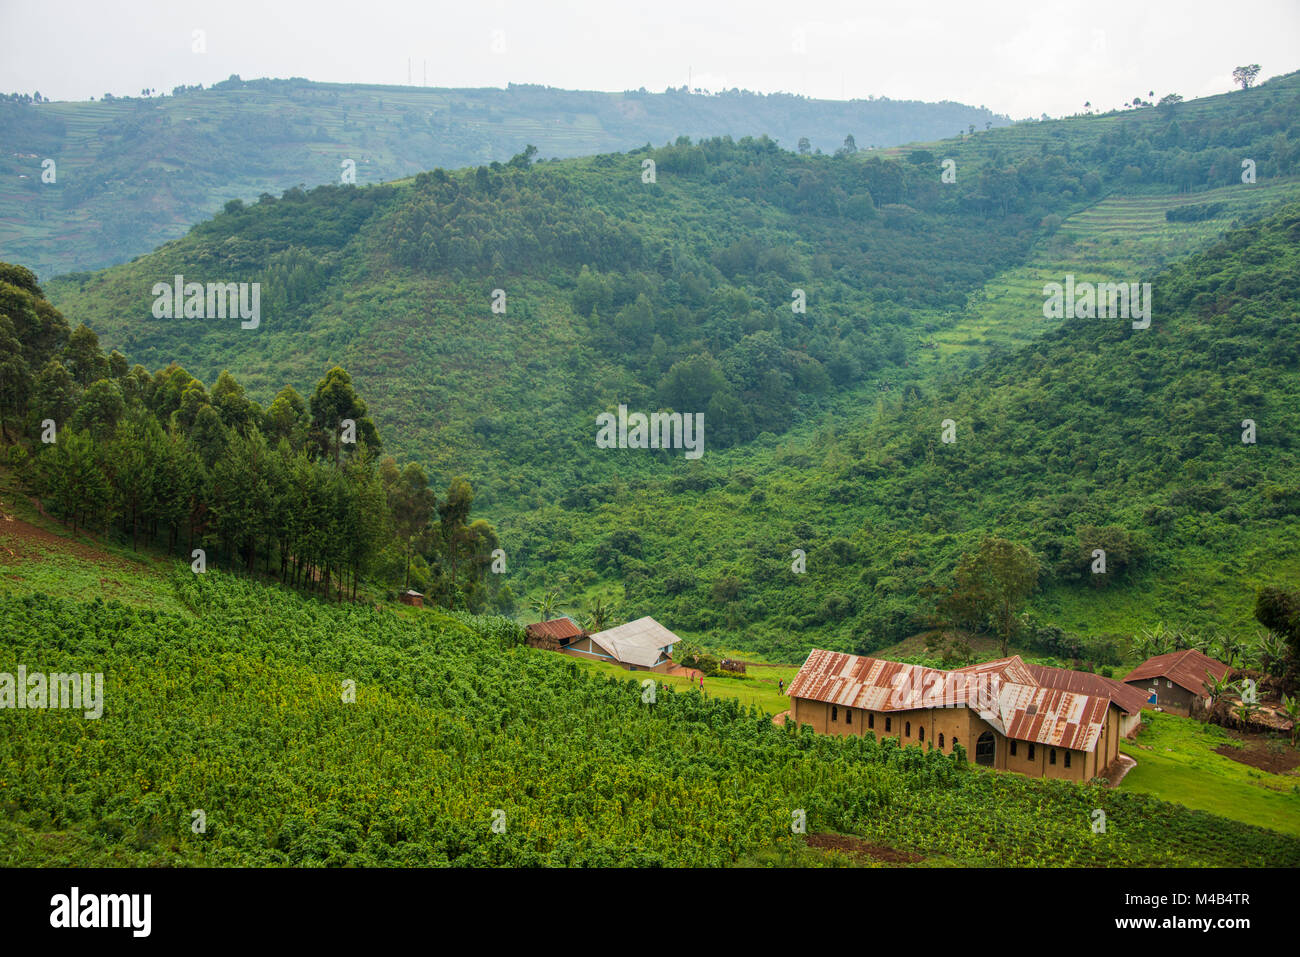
132, 173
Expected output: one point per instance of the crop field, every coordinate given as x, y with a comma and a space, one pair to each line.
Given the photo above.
1119, 239
234, 709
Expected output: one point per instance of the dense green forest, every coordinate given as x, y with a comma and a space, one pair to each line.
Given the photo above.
454, 745
134, 171
675, 291
1098, 435
297, 489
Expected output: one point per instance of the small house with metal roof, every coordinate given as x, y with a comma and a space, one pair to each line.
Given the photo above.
641, 645
1172, 681
554, 634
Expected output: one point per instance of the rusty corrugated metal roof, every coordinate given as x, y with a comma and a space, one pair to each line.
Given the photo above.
555, 628
859, 682
1005, 693
1010, 669
1127, 699
1186, 668
1053, 717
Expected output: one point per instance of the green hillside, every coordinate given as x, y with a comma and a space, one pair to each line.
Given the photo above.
228, 736
822, 427
1096, 435
135, 171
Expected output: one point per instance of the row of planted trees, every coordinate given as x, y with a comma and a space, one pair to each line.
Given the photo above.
297, 489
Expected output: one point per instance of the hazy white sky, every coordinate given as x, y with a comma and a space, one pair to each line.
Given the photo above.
1019, 57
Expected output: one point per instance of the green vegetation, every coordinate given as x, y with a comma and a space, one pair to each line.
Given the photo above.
236, 707
822, 426
38, 554
1096, 435
298, 487
1176, 761
134, 172
757, 688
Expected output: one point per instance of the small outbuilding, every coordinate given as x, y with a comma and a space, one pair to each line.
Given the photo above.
1173, 680
554, 634
411, 597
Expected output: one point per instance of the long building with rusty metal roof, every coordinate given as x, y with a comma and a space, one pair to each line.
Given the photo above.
1005, 713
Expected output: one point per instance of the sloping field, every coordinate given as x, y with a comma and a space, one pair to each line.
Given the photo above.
1123, 238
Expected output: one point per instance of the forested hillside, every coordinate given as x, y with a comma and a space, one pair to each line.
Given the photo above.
297, 490
134, 171
1097, 436
823, 427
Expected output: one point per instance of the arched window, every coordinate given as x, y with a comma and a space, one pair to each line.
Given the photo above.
848, 715
1013, 747
941, 741
907, 729
1051, 758
954, 741
1031, 750
888, 722
871, 719
1067, 759
835, 713
920, 733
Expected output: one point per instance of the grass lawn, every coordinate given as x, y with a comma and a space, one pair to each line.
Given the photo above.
759, 688
1182, 767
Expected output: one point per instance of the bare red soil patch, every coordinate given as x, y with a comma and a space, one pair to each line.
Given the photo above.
678, 671
23, 540
857, 847
1259, 752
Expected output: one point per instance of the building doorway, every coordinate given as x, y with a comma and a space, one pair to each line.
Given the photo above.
985, 749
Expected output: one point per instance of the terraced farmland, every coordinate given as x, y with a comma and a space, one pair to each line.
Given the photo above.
1122, 238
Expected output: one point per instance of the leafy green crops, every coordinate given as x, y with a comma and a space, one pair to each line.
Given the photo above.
235, 708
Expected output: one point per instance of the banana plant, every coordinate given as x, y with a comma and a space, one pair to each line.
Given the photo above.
1218, 688
1155, 641
599, 614
1231, 649
1271, 652
1292, 708
1244, 711
546, 605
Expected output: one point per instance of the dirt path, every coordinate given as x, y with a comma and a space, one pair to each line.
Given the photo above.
1121, 766
677, 671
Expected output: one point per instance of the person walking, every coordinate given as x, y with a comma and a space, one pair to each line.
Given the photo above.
780, 685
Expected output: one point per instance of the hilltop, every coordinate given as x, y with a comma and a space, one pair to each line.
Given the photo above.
134, 172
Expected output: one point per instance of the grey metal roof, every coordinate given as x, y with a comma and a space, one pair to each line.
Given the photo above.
642, 642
